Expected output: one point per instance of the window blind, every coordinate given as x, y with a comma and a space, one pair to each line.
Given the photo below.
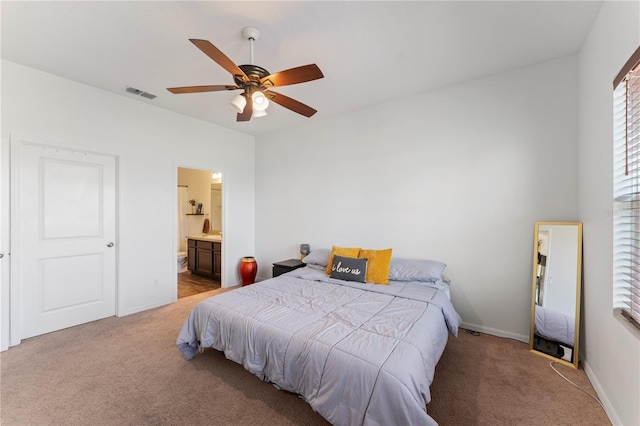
626, 179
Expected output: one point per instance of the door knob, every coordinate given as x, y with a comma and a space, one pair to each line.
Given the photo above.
110, 245
1, 255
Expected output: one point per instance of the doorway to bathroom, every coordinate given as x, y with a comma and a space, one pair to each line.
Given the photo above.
199, 231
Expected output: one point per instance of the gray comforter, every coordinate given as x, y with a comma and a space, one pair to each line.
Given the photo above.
358, 353
554, 325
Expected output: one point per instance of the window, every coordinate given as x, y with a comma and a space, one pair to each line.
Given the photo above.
626, 182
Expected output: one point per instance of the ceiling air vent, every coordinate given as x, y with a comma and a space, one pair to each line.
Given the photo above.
140, 92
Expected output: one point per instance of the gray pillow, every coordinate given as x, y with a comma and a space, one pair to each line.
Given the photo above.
349, 268
318, 257
415, 269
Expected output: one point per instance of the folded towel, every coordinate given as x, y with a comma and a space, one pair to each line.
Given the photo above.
205, 228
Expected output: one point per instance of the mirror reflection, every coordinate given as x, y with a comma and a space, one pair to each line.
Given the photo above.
557, 264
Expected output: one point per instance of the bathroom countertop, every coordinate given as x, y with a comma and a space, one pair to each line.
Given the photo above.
206, 237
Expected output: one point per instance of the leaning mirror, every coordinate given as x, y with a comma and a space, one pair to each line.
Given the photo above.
555, 296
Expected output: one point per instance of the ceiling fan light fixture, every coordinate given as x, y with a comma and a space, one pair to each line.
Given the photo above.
260, 101
259, 113
238, 103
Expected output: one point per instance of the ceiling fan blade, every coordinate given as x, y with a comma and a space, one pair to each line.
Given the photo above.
198, 89
293, 76
220, 58
290, 103
245, 115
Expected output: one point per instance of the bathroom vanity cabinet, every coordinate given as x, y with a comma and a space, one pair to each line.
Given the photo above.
204, 257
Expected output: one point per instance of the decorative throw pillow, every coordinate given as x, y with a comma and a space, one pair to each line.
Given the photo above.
341, 251
349, 268
378, 266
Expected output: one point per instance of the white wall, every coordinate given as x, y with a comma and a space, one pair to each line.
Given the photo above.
611, 347
560, 272
458, 175
199, 189
216, 209
151, 143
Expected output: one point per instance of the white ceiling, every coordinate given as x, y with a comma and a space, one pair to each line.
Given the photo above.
369, 52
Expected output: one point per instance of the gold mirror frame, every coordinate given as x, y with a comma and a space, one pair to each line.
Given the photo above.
545, 345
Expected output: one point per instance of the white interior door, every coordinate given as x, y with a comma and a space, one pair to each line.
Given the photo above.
66, 206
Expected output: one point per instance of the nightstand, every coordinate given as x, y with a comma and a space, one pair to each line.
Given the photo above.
283, 266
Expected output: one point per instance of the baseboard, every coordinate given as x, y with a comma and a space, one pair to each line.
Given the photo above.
138, 309
608, 408
495, 332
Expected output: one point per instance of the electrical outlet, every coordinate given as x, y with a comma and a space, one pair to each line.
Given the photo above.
155, 283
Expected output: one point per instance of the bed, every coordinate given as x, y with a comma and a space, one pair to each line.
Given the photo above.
553, 333
358, 353
554, 325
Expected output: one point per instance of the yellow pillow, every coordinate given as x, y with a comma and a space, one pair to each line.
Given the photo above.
378, 265
341, 251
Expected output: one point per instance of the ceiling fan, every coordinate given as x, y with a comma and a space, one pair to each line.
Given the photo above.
255, 82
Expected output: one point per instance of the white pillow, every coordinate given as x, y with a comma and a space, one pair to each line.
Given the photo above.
318, 257
415, 269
